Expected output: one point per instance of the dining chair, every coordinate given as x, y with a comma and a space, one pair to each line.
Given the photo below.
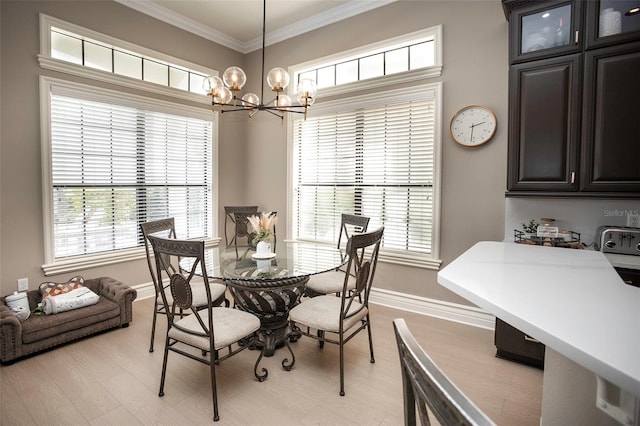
331, 282
230, 221
219, 332
166, 227
425, 386
337, 320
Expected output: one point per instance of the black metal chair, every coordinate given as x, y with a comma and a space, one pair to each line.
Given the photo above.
331, 282
426, 386
166, 228
338, 319
230, 221
219, 332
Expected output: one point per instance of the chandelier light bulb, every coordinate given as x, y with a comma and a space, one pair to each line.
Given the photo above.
212, 84
307, 91
278, 79
250, 100
283, 101
234, 78
223, 96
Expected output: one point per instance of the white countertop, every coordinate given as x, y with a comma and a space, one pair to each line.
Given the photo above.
571, 300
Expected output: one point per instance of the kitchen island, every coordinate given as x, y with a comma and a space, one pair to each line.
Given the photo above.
571, 300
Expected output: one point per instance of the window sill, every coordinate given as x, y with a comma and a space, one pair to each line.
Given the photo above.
412, 260
77, 263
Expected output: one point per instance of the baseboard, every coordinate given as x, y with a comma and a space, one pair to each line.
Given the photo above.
145, 291
464, 314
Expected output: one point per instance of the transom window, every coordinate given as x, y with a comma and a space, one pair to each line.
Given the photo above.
76, 50
407, 58
79, 50
419, 51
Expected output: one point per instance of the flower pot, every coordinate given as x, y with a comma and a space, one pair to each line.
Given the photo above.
263, 247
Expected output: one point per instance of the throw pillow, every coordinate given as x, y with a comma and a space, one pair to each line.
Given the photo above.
54, 289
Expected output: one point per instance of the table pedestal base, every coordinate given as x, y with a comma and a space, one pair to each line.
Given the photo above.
269, 300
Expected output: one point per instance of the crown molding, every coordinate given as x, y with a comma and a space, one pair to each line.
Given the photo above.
170, 17
320, 20
331, 16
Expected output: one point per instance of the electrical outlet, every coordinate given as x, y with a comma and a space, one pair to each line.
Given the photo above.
23, 284
633, 220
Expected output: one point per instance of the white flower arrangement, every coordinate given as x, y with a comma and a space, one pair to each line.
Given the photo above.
263, 226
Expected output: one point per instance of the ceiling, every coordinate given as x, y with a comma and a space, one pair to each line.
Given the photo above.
237, 24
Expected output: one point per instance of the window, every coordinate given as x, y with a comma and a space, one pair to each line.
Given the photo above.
72, 49
117, 161
376, 154
377, 159
112, 160
410, 57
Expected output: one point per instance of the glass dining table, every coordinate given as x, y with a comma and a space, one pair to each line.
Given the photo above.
268, 286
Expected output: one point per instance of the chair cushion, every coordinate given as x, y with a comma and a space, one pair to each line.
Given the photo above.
199, 293
229, 326
330, 282
323, 313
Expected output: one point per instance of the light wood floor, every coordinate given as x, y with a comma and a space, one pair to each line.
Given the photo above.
112, 379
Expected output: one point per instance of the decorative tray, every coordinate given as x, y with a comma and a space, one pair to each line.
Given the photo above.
568, 239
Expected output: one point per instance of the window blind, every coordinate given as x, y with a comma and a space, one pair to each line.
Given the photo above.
115, 165
376, 161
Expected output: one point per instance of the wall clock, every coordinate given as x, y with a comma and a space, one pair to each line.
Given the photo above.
473, 125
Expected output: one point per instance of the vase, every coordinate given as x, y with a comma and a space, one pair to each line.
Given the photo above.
263, 247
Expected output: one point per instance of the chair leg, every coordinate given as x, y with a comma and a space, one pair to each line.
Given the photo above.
164, 367
373, 360
214, 390
341, 366
153, 327
321, 338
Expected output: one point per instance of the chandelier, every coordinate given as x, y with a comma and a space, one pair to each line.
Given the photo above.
225, 91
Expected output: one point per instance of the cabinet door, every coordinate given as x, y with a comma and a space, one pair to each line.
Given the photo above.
544, 124
544, 29
612, 22
611, 121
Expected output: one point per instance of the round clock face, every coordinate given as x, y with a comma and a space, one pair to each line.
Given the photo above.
473, 125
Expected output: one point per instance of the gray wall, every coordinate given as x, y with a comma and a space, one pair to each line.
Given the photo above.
253, 156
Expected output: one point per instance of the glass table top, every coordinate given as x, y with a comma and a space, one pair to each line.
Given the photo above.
292, 259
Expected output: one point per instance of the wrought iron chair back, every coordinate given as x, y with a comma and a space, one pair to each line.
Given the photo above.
230, 221
426, 386
161, 227
351, 223
363, 250
330, 283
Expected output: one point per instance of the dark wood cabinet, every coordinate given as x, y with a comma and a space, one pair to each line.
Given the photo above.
573, 105
515, 345
611, 119
544, 120
543, 29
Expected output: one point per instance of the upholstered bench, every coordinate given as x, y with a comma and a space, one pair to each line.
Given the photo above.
40, 332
